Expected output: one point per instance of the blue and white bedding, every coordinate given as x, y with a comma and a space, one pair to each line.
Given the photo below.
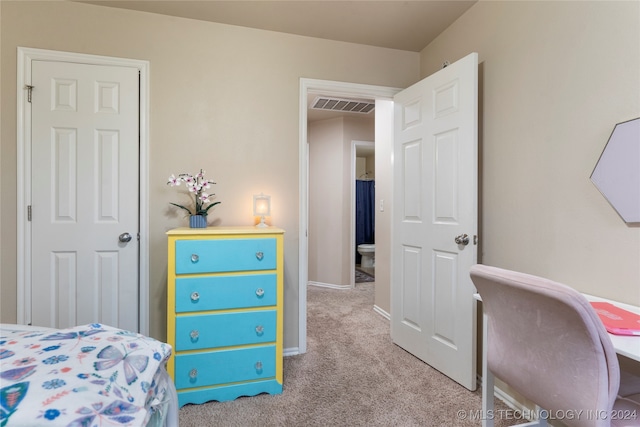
90, 375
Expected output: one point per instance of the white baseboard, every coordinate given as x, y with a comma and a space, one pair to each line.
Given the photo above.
512, 403
500, 394
381, 312
329, 285
292, 351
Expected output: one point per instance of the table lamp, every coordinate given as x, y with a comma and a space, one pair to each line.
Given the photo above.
261, 208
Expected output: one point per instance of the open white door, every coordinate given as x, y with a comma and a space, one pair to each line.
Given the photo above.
433, 313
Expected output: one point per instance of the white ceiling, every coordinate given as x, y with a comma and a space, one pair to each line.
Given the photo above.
396, 24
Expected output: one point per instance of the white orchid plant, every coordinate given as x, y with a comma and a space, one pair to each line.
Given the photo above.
199, 186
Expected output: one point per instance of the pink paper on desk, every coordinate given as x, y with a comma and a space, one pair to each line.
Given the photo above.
617, 320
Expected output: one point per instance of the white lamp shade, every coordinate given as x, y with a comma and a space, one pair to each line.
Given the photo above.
261, 205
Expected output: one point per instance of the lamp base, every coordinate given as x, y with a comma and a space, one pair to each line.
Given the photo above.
261, 224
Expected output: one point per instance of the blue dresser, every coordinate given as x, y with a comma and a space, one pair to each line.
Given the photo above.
225, 312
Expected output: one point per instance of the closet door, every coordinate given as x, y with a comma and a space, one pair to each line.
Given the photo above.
85, 195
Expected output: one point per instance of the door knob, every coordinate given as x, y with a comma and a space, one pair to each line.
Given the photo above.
462, 239
124, 237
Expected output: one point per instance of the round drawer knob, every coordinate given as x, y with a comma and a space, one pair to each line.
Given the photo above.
259, 366
193, 374
194, 334
259, 329
194, 258
195, 296
259, 292
259, 255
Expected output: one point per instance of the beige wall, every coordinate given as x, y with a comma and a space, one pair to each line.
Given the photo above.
326, 201
361, 166
555, 78
330, 196
223, 98
384, 185
371, 166
366, 165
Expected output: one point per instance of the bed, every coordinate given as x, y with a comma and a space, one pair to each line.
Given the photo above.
88, 375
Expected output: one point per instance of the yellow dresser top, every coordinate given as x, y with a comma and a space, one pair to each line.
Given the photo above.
209, 231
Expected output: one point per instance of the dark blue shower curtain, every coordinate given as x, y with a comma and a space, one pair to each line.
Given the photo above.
365, 214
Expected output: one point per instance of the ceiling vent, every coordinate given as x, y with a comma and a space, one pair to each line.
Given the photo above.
345, 105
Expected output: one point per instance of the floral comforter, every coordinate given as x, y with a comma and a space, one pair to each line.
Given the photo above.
90, 375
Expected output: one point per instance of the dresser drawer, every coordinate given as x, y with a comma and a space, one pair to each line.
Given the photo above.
224, 366
225, 329
211, 256
221, 292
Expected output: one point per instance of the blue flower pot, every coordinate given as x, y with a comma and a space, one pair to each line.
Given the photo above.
197, 221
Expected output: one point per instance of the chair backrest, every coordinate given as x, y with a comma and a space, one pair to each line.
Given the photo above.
548, 344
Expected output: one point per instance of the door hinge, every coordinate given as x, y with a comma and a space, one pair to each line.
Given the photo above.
29, 89
29, 213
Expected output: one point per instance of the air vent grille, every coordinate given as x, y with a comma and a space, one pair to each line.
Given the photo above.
345, 105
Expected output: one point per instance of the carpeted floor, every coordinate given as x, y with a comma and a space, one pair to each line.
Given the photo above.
351, 375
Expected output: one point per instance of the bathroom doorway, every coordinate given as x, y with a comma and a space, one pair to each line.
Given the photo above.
362, 211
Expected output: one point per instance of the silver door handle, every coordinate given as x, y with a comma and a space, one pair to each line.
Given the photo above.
462, 239
124, 237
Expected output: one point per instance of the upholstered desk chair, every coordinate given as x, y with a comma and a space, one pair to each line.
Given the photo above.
547, 343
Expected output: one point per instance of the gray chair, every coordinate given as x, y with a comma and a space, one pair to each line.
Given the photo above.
547, 343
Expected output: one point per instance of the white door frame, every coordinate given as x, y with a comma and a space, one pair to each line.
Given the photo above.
329, 88
352, 257
25, 58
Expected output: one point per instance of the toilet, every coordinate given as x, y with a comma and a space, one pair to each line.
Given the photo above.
368, 252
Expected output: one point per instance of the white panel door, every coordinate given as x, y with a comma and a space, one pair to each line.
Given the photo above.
433, 313
85, 194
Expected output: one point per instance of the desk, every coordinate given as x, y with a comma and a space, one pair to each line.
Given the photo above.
628, 346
